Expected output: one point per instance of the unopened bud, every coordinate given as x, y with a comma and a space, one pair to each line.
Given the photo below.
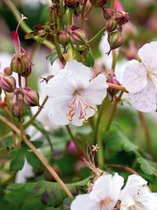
111, 25
108, 13
64, 38
18, 109
19, 64
121, 17
7, 71
72, 3
98, 3
31, 97
78, 37
7, 83
115, 39
112, 79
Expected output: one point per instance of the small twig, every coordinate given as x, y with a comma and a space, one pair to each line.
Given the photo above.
125, 168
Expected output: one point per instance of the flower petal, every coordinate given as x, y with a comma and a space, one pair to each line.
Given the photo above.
96, 91
145, 100
59, 110
79, 72
84, 202
61, 85
135, 76
148, 55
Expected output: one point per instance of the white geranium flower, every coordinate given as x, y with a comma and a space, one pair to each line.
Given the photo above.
73, 95
140, 79
136, 195
104, 195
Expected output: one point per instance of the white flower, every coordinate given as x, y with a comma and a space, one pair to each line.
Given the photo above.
136, 195
140, 79
73, 95
104, 195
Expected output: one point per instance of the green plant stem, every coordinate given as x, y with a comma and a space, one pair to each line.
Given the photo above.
58, 50
114, 60
70, 133
99, 34
23, 25
36, 114
39, 155
112, 4
124, 168
97, 136
146, 131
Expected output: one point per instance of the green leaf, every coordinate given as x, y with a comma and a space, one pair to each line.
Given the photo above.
52, 57
8, 142
117, 141
32, 159
90, 59
147, 166
17, 159
48, 193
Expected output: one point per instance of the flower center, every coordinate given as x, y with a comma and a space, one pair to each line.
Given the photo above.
105, 203
79, 105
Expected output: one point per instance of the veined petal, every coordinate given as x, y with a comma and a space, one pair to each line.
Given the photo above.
59, 110
135, 76
135, 181
61, 85
145, 100
148, 55
79, 72
84, 202
96, 91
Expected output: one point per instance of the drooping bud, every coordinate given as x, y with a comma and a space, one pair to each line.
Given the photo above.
98, 3
18, 109
121, 17
115, 40
108, 13
78, 37
7, 83
72, 3
112, 79
31, 97
64, 38
111, 25
7, 71
19, 64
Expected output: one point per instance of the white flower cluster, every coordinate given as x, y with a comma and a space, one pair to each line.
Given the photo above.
107, 194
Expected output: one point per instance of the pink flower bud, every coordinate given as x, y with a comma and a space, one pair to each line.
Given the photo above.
78, 37
64, 38
121, 17
115, 40
111, 25
72, 3
19, 64
31, 97
112, 79
108, 13
7, 71
18, 109
7, 83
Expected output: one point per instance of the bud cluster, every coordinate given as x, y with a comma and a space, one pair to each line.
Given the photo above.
114, 22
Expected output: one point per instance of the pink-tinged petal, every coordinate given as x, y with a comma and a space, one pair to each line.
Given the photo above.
135, 76
16, 42
148, 55
79, 72
135, 181
96, 91
145, 100
61, 85
107, 187
59, 110
118, 6
84, 202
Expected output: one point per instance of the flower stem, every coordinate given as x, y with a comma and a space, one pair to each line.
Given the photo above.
82, 14
130, 170
36, 114
117, 87
92, 40
23, 25
39, 155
